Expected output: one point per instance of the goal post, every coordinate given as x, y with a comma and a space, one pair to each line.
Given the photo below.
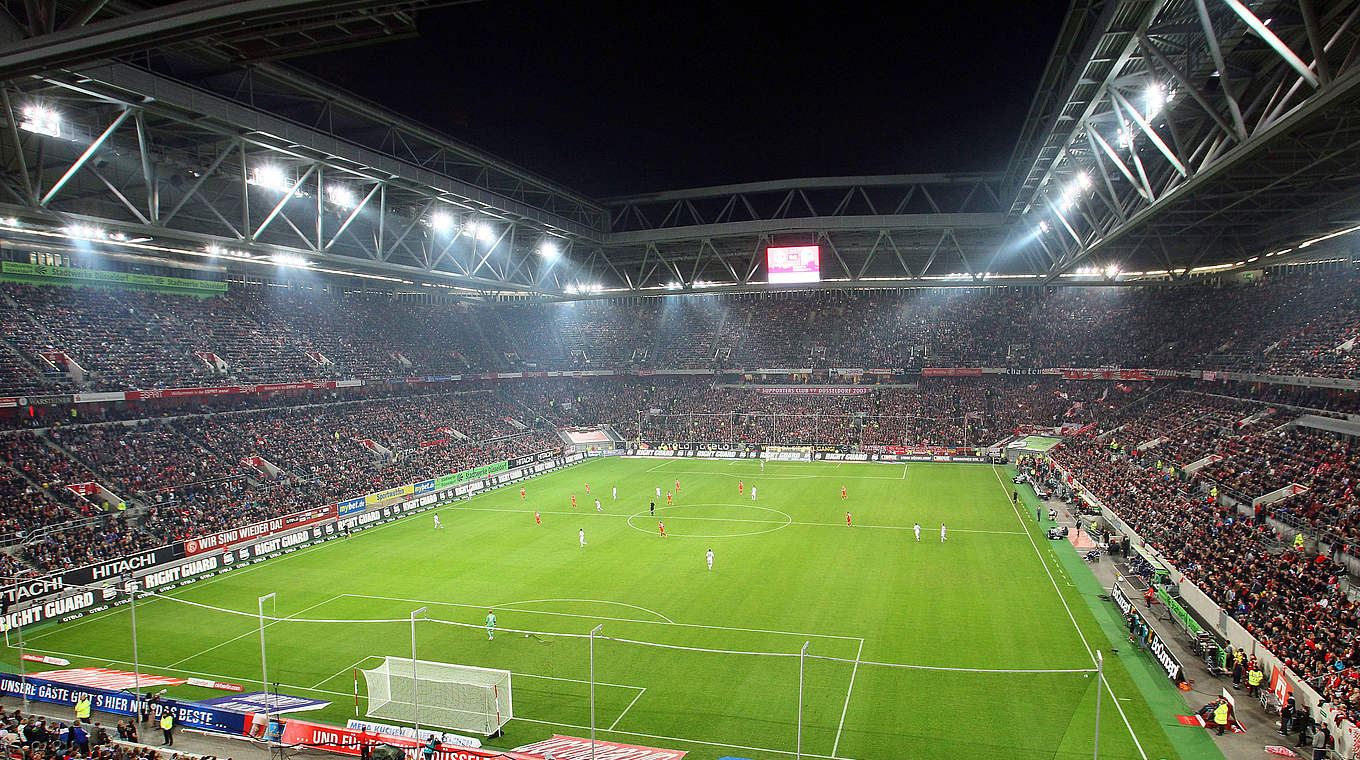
787, 453
456, 697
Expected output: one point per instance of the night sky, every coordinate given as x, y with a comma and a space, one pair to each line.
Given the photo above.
619, 98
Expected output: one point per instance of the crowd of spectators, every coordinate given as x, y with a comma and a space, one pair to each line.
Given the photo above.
1292, 600
1302, 324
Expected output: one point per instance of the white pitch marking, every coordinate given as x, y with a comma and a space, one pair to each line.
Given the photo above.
1070, 616
626, 709
846, 708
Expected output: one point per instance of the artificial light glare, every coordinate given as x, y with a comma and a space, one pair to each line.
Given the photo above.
40, 120
341, 197
271, 177
441, 221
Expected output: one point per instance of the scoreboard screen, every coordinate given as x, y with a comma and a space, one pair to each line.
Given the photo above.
794, 264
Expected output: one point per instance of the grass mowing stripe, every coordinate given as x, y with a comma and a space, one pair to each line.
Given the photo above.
1149, 679
1070, 616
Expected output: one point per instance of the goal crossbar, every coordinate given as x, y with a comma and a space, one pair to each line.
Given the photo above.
456, 697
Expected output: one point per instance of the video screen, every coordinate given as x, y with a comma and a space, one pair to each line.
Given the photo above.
794, 264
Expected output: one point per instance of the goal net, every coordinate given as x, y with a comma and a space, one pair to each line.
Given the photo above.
456, 697
787, 453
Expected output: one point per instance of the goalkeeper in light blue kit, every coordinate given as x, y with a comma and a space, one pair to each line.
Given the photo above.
490, 625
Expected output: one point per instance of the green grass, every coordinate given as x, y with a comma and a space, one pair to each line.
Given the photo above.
1040, 443
788, 571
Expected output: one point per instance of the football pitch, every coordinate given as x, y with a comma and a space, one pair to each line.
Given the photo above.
981, 646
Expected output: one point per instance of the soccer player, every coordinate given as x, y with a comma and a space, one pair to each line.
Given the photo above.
847, 518
669, 501
762, 465
573, 501
753, 493
587, 489
677, 486
538, 519
662, 527
917, 528
582, 533
740, 486
842, 493
616, 493
437, 524
943, 535
652, 509
709, 556
490, 625
521, 494
598, 508
658, 492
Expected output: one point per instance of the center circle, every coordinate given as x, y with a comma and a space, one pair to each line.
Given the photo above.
788, 520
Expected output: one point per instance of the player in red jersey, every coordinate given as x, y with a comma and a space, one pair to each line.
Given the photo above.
668, 498
587, 489
521, 494
847, 518
842, 492
538, 519
662, 527
573, 501
677, 486
741, 487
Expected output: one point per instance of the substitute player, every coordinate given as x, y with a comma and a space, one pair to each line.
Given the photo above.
490, 625
709, 557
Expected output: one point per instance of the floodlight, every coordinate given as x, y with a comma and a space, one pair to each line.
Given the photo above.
40, 120
341, 197
83, 232
289, 260
1043, 226
441, 221
1156, 99
271, 177
549, 250
485, 232
1112, 271
1083, 180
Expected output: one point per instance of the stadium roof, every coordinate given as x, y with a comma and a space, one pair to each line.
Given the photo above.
1164, 137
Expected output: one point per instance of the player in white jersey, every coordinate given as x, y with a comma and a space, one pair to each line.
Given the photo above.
709, 557
658, 492
438, 524
616, 493
943, 535
753, 493
582, 533
598, 508
917, 528
762, 465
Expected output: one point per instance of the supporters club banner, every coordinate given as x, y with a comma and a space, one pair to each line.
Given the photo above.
1140, 375
951, 372
187, 714
803, 390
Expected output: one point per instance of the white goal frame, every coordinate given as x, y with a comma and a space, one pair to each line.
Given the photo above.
456, 697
